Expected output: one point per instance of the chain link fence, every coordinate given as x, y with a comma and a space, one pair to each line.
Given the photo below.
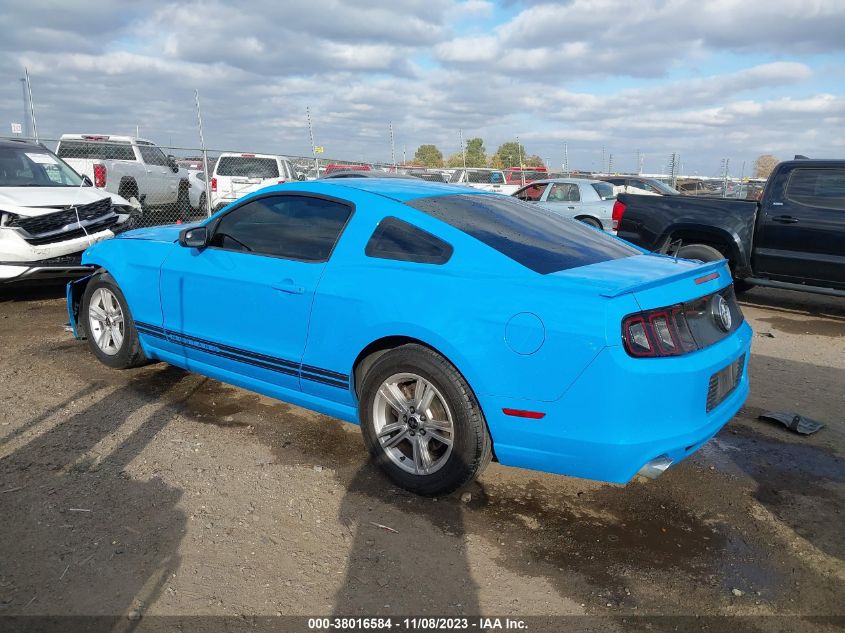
168, 184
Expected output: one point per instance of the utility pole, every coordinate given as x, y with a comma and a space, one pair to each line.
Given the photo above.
207, 174
565, 158
26, 126
392, 147
311, 137
521, 166
463, 149
725, 164
31, 105
601, 169
639, 163
610, 164
404, 155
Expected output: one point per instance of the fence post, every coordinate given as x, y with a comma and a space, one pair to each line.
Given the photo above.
204, 157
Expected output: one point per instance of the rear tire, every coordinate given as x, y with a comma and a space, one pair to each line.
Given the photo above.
701, 252
421, 421
105, 318
592, 222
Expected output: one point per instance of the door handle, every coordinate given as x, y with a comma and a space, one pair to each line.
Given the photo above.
570, 207
289, 287
785, 219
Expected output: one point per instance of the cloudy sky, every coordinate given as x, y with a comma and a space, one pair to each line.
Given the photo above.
708, 79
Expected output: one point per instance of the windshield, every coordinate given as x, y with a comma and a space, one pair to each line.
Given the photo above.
529, 234
605, 190
663, 188
247, 167
30, 166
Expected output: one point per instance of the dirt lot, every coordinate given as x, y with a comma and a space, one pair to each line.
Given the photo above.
171, 493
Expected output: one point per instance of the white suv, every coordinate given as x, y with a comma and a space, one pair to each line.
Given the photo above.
49, 214
236, 175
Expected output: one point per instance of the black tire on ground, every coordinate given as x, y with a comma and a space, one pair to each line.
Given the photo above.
701, 252
472, 446
591, 222
129, 354
128, 189
182, 209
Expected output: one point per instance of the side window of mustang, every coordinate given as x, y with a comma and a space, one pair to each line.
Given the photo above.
292, 227
395, 239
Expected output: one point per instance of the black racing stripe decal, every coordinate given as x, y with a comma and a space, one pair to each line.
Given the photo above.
263, 361
326, 381
328, 373
255, 363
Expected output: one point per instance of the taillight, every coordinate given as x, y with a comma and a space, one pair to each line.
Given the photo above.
214, 184
281, 182
100, 176
618, 212
661, 332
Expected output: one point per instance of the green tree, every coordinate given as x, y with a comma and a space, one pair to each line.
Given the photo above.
476, 155
533, 161
455, 160
496, 162
510, 152
429, 156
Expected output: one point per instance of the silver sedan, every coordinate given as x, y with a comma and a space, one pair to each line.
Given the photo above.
590, 201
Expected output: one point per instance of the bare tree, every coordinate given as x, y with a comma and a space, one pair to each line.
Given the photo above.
764, 165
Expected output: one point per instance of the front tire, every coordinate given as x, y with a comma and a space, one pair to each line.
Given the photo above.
421, 421
108, 325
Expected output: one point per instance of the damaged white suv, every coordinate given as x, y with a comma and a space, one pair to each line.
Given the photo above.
49, 214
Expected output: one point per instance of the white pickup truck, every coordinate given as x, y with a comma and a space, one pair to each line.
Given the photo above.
49, 214
483, 179
132, 168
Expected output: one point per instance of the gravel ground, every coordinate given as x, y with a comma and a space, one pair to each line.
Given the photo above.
168, 493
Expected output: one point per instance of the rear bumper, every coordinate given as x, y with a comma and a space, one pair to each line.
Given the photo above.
622, 414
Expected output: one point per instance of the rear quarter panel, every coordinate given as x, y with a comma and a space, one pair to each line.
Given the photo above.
460, 308
651, 221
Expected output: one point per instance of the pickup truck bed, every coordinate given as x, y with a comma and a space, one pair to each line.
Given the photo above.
794, 238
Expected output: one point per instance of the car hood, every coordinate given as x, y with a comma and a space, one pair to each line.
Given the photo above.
168, 233
34, 201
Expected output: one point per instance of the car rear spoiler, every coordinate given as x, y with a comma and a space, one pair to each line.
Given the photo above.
703, 272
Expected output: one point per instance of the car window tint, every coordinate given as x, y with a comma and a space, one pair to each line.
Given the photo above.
605, 190
293, 227
528, 234
395, 239
95, 151
564, 192
247, 167
823, 188
152, 155
531, 193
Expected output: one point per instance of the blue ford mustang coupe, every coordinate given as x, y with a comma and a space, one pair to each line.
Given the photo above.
454, 326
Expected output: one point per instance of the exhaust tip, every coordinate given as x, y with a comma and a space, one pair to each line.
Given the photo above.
655, 467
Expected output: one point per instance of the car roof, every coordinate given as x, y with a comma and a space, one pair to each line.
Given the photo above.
12, 142
361, 173
102, 138
574, 181
250, 155
399, 189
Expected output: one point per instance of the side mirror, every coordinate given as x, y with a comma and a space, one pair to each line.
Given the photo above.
195, 237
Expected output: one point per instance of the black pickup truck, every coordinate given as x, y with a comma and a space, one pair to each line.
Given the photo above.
793, 238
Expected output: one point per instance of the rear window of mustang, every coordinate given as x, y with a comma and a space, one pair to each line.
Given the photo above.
536, 238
